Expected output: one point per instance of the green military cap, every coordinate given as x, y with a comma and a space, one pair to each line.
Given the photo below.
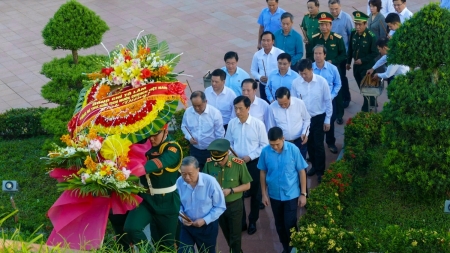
219, 149
360, 17
325, 17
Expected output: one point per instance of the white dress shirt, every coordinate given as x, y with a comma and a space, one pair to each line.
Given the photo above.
248, 138
315, 94
223, 102
404, 15
380, 62
257, 68
259, 109
387, 6
204, 127
394, 70
293, 120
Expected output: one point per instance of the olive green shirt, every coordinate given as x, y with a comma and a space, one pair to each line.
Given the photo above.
310, 25
232, 175
362, 47
335, 47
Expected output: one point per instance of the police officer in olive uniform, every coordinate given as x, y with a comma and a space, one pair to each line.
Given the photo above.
363, 49
161, 203
310, 25
234, 178
336, 54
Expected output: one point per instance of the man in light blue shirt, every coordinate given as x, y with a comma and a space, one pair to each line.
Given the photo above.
289, 40
202, 203
282, 77
269, 19
331, 74
342, 25
445, 4
235, 75
282, 171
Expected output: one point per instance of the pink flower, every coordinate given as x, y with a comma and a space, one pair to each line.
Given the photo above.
126, 172
84, 177
135, 83
95, 145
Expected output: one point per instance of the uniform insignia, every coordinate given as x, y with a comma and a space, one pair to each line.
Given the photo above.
158, 163
155, 153
332, 45
358, 15
323, 15
229, 164
208, 159
315, 35
371, 33
364, 35
337, 36
237, 160
173, 149
331, 37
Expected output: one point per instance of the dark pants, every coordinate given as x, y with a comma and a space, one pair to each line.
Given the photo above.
225, 127
200, 155
359, 71
303, 148
345, 90
262, 92
254, 192
285, 215
204, 237
330, 139
117, 221
316, 149
230, 223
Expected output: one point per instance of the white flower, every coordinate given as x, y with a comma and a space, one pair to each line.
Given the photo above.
95, 145
84, 176
135, 83
109, 163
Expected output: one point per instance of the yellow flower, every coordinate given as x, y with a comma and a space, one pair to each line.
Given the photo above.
339, 207
337, 195
114, 146
338, 249
331, 244
67, 140
414, 243
311, 244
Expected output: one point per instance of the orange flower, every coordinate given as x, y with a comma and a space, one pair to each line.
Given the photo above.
67, 140
123, 161
103, 92
94, 76
90, 164
92, 134
163, 70
120, 176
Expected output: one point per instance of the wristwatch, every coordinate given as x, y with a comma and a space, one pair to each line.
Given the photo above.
304, 194
231, 191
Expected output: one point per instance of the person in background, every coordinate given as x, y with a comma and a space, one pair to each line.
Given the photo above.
283, 183
310, 25
269, 19
220, 96
289, 40
201, 124
235, 74
402, 10
259, 108
376, 22
232, 175
202, 203
282, 77
342, 25
387, 6
393, 22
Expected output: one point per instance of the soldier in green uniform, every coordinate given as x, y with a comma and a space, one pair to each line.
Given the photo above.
336, 53
363, 49
310, 25
161, 204
234, 178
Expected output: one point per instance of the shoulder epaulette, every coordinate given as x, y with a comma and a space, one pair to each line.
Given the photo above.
315, 35
371, 33
237, 160
337, 36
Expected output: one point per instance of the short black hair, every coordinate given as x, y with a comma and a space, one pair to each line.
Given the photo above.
382, 42
376, 3
252, 81
284, 56
322, 46
304, 64
316, 2
220, 73
275, 133
283, 91
287, 15
244, 99
268, 32
268, 1
230, 55
403, 1
392, 18
198, 93
330, 2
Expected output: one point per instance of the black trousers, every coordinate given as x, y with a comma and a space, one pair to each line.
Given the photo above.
345, 90
200, 155
230, 223
262, 92
329, 136
359, 71
285, 215
254, 192
316, 149
205, 237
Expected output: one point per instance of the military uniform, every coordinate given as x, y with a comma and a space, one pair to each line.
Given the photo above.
230, 176
310, 25
362, 46
161, 204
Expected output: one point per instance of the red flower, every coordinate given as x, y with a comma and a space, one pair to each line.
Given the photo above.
339, 175
107, 71
353, 155
127, 58
325, 207
146, 73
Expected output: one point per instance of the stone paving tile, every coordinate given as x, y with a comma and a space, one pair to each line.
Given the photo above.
202, 29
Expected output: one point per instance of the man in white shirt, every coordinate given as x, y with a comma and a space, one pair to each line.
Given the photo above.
248, 136
265, 62
235, 74
314, 91
290, 114
402, 10
387, 6
259, 108
220, 96
392, 70
202, 124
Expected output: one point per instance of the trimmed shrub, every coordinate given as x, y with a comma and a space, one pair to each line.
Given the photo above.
20, 123
177, 133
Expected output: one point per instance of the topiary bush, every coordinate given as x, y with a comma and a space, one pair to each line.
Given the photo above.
21, 123
73, 27
177, 133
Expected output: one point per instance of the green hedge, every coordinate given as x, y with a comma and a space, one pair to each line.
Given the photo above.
177, 133
20, 123
20, 161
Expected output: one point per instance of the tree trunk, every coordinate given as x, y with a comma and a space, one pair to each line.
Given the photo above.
75, 56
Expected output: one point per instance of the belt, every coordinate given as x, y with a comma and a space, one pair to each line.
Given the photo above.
165, 190
292, 141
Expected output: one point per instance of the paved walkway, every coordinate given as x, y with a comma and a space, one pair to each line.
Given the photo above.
202, 29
